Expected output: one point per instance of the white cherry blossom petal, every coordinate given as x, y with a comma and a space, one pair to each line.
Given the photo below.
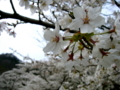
86, 18
49, 1
24, 3
106, 61
49, 47
33, 9
99, 19
69, 65
57, 28
86, 28
48, 35
93, 12
44, 4
117, 23
79, 12
57, 49
65, 57
76, 24
55, 40
65, 21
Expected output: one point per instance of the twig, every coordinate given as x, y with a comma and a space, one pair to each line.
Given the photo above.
117, 4
13, 7
5, 15
39, 10
47, 18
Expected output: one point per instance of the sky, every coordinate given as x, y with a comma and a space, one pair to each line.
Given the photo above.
25, 42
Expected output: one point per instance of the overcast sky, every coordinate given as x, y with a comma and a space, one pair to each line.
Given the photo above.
24, 42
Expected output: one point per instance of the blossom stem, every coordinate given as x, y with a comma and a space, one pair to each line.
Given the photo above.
67, 38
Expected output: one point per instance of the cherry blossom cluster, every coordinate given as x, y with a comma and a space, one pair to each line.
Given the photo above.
45, 74
50, 76
43, 4
4, 27
87, 45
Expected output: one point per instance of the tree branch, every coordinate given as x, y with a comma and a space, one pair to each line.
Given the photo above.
4, 15
117, 4
13, 7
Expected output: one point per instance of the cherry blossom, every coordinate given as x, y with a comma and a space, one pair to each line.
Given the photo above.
86, 19
65, 21
44, 4
3, 26
70, 64
33, 9
117, 24
24, 3
115, 55
70, 61
55, 40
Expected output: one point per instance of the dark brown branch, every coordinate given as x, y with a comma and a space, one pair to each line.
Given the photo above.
13, 7
38, 6
77, 3
117, 4
4, 15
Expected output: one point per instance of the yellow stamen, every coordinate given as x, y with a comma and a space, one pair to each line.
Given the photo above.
55, 39
44, 4
86, 20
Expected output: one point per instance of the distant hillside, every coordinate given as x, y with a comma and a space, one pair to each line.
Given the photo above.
8, 61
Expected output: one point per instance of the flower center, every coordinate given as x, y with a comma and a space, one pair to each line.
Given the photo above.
55, 39
69, 20
86, 20
44, 4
